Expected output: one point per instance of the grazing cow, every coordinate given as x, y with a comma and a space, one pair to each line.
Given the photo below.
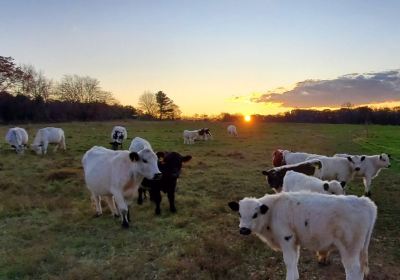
315, 221
170, 165
139, 144
116, 176
337, 168
368, 167
232, 130
189, 136
275, 175
118, 135
295, 181
18, 139
46, 136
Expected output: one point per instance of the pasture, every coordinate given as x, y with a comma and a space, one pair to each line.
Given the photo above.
47, 229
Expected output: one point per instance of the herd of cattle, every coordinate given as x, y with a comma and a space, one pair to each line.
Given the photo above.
309, 209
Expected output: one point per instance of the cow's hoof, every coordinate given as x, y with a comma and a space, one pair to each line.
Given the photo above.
125, 224
97, 215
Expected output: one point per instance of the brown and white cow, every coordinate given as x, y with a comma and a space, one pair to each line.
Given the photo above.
318, 222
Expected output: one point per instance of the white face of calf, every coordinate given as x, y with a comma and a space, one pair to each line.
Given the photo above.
356, 162
334, 187
384, 160
249, 210
146, 165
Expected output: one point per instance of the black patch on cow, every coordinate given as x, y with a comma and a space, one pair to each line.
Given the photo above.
380, 157
306, 223
298, 203
343, 184
287, 238
268, 228
134, 156
349, 159
255, 215
362, 158
234, 206
263, 209
326, 186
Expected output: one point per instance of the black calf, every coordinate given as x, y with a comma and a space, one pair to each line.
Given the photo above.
170, 165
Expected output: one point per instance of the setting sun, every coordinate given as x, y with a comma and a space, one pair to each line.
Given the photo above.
247, 118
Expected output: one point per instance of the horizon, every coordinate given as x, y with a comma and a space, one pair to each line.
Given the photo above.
258, 57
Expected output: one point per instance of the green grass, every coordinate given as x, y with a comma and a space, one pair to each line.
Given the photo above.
47, 230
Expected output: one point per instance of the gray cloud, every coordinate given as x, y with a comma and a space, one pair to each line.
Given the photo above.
354, 88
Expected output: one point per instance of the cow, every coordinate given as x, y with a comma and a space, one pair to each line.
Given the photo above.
318, 222
275, 175
295, 181
139, 144
170, 165
368, 167
205, 134
46, 136
189, 136
232, 130
286, 157
118, 135
116, 176
337, 168
17, 137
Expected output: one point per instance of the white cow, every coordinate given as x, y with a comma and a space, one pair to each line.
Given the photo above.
46, 136
116, 176
295, 181
232, 130
295, 157
18, 138
368, 167
336, 168
139, 144
318, 222
189, 136
118, 135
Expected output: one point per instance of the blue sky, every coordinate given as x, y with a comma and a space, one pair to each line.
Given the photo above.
202, 53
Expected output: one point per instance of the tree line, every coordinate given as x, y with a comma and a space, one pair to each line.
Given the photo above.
26, 94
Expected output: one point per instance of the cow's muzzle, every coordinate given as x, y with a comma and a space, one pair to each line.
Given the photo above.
245, 231
357, 169
157, 176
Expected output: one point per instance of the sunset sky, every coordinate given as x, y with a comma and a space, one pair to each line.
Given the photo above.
216, 56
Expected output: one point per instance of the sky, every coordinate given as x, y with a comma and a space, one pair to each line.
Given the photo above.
216, 56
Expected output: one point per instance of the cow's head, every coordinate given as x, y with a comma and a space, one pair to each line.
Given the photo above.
334, 187
384, 160
250, 209
356, 162
274, 178
37, 148
19, 149
170, 163
146, 164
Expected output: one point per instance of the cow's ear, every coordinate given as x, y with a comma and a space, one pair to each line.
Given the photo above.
326, 187
362, 158
343, 184
186, 158
234, 206
264, 172
263, 209
317, 164
380, 157
134, 156
389, 156
349, 159
160, 155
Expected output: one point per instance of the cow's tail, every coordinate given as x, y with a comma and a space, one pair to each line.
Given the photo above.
364, 250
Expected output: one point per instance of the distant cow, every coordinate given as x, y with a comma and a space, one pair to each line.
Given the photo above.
286, 157
232, 130
275, 175
315, 221
295, 181
116, 176
46, 136
118, 135
189, 136
17, 138
170, 165
368, 167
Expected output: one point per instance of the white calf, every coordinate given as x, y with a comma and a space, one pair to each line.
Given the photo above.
46, 136
139, 144
18, 138
118, 135
295, 182
232, 130
368, 167
286, 221
336, 168
118, 175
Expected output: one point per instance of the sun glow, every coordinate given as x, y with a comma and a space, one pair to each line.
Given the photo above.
247, 118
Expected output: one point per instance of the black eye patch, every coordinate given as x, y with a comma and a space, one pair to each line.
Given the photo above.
255, 215
145, 161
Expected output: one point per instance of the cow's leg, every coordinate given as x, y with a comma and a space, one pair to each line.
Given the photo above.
367, 185
155, 196
122, 207
352, 268
63, 146
171, 199
97, 203
44, 147
140, 196
111, 204
291, 257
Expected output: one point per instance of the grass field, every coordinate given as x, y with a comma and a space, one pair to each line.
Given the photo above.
47, 230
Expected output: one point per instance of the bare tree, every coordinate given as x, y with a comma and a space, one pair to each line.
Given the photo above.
148, 103
34, 84
10, 74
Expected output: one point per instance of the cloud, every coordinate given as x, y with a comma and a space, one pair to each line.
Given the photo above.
358, 89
